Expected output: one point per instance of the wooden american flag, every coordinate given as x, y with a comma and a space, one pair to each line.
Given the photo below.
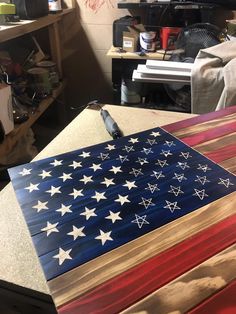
153, 232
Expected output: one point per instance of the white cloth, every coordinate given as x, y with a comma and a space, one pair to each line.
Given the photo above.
213, 78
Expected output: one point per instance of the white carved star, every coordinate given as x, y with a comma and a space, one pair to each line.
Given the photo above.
161, 163
40, 206
54, 190
95, 167
204, 168
66, 176
146, 151
110, 147
64, 209
186, 155
122, 158
140, 220
128, 149
179, 176
99, 196
136, 172
155, 134
104, 236
115, 169
86, 179
133, 140
152, 188
130, 184
169, 143
200, 193
89, 213
142, 161
76, 232
108, 182
182, 165
176, 190
122, 199
50, 228
85, 155
56, 163
32, 187
76, 164
103, 156
158, 174
76, 193
146, 202
171, 206
44, 174
166, 153
25, 172
151, 142
114, 216
202, 180
63, 255
225, 182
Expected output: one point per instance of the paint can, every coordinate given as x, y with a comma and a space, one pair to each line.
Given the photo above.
53, 73
54, 6
39, 81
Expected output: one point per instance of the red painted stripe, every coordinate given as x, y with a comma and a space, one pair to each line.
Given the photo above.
199, 119
223, 302
210, 134
131, 286
223, 153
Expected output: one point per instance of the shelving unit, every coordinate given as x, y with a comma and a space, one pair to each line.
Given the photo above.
14, 30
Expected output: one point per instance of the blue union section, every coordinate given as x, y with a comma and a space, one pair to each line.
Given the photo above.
82, 204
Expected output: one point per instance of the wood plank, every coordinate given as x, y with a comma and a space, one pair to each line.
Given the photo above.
141, 77
223, 302
89, 275
215, 144
209, 125
176, 126
223, 153
191, 288
133, 285
210, 134
229, 164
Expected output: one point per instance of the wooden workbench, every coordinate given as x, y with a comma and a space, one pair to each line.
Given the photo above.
20, 270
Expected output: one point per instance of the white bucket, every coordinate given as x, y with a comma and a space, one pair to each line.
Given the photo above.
130, 92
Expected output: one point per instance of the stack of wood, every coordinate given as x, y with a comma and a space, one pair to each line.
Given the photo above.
155, 71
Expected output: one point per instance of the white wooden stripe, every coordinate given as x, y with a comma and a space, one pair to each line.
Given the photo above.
139, 77
164, 73
167, 65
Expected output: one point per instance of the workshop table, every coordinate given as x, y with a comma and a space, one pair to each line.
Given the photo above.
197, 242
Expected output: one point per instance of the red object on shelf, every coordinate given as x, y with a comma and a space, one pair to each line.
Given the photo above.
168, 37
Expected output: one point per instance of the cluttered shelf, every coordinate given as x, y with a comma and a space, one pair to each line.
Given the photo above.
19, 129
115, 53
17, 29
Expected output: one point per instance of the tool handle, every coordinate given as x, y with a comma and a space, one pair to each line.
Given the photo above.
111, 125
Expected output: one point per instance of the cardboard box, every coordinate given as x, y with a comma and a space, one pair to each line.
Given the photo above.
6, 111
131, 38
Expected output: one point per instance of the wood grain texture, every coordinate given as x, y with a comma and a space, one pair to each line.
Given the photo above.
191, 288
223, 153
173, 127
213, 133
229, 164
86, 277
133, 285
223, 302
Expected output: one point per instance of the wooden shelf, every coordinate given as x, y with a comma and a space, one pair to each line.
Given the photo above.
20, 129
18, 29
158, 55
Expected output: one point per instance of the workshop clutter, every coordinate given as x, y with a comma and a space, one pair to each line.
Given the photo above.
132, 36
6, 112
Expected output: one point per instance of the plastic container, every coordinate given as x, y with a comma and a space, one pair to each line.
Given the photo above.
54, 6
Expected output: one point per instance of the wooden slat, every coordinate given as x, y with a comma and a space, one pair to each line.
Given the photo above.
215, 144
224, 153
223, 302
86, 277
213, 133
229, 164
191, 288
173, 127
131, 286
